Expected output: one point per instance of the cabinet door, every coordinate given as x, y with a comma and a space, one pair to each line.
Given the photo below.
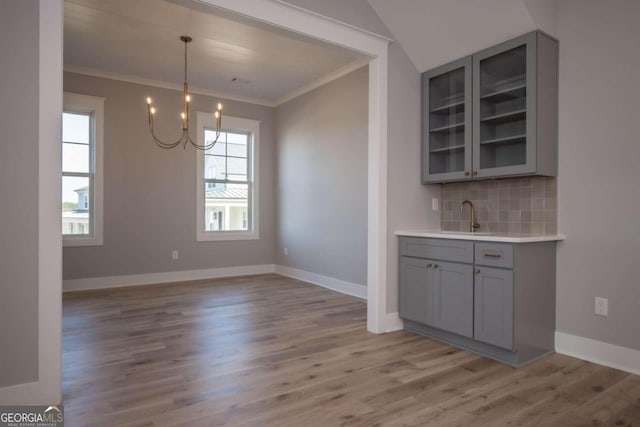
446, 122
504, 108
494, 306
453, 297
416, 290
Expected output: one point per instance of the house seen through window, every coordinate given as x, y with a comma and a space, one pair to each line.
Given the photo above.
77, 173
226, 182
81, 204
227, 205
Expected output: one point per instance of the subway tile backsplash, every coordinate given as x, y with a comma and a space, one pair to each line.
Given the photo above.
513, 205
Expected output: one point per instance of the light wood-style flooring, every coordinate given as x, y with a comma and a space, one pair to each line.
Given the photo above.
272, 351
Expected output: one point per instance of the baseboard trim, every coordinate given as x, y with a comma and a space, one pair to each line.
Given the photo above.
166, 277
393, 322
602, 353
349, 288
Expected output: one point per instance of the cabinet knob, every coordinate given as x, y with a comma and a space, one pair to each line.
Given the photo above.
477, 271
435, 266
474, 173
429, 265
467, 173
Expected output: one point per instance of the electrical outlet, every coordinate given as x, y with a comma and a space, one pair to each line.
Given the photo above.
601, 306
435, 204
174, 254
286, 252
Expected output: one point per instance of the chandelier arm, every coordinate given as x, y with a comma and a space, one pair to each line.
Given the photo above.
162, 144
203, 147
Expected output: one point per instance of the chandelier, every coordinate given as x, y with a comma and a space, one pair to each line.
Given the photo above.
184, 137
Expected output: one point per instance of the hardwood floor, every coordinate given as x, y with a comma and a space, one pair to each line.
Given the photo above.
272, 351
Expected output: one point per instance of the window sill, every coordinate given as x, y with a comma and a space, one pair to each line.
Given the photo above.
70, 242
212, 236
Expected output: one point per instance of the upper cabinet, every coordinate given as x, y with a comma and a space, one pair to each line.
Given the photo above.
493, 114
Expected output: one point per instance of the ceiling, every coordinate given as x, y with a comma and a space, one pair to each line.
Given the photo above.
140, 39
434, 32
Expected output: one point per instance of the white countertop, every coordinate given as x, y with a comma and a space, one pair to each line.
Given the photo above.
486, 237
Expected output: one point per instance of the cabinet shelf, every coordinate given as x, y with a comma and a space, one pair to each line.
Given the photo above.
507, 94
511, 116
445, 130
514, 139
446, 149
456, 107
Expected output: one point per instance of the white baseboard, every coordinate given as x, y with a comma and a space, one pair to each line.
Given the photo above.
602, 353
338, 285
167, 277
393, 322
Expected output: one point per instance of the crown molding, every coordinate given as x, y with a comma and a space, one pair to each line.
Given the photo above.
322, 81
164, 85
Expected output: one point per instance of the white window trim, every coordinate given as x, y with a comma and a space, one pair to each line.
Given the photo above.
74, 102
229, 123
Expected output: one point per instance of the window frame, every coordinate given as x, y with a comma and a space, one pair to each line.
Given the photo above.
229, 124
76, 103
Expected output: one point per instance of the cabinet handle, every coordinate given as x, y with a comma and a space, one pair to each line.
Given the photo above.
487, 255
435, 266
429, 265
477, 271
467, 173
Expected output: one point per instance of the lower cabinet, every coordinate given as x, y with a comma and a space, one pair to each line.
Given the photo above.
493, 298
453, 297
493, 302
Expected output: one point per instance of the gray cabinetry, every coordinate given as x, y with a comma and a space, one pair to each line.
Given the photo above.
512, 103
497, 299
446, 123
493, 302
416, 294
453, 297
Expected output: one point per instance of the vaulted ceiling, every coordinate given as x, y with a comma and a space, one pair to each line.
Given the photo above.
434, 32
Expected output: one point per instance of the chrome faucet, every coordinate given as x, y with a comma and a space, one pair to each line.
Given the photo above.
473, 224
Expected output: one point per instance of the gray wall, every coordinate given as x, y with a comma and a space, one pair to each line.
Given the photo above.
19, 77
409, 202
322, 179
599, 158
150, 193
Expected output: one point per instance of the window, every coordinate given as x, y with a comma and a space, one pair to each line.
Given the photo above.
227, 203
82, 124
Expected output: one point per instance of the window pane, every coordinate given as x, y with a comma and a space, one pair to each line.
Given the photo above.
219, 148
237, 138
76, 205
237, 168
237, 150
75, 157
226, 207
215, 167
76, 128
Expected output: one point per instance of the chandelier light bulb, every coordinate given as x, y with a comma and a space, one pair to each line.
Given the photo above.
153, 110
219, 107
182, 115
148, 100
217, 114
188, 98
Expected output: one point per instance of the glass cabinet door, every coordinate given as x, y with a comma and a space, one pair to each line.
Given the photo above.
504, 122
446, 133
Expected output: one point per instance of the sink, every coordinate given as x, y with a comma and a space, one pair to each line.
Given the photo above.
468, 233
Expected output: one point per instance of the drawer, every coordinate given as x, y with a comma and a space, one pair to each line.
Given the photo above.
494, 254
442, 249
